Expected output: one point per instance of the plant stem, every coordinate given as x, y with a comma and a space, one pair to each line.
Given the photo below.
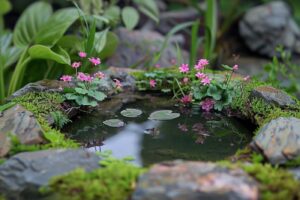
2, 83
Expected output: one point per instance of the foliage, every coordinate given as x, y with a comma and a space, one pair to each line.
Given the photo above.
7, 106
114, 180
131, 112
211, 20
59, 118
163, 115
282, 67
116, 123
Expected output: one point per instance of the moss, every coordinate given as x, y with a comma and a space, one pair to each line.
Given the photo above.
114, 180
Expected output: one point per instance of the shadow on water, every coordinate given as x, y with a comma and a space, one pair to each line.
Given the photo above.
193, 136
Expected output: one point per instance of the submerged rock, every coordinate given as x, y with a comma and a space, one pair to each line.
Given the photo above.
279, 140
272, 96
194, 180
23, 174
137, 49
21, 123
267, 26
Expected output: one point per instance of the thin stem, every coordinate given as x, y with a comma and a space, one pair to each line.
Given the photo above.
179, 87
2, 83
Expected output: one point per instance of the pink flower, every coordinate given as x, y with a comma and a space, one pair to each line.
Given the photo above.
66, 78
157, 66
185, 80
83, 77
235, 68
95, 61
76, 64
184, 68
201, 64
118, 84
186, 99
152, 83
207, 104
246, 78
200, 75
99, 75
206, 80
82, 54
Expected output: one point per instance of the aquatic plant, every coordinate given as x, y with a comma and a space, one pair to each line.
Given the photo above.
163, 115
116, 123
131, 112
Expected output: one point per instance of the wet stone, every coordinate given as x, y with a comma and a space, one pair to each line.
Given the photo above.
21, 123
23, 174
279, 140
272, 96
194, 180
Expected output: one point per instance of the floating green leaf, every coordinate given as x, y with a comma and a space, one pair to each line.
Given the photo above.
163, 115
116, 123
131, 112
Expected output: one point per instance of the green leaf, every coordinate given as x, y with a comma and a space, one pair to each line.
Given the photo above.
71, 96
111, 45
99, 96
130, 17
42, 52
218, 106
227, 67
56, 26
113, 14
116, 123
211, 22
5, 7
71, 42
131, 112
30, 22
100, 40
163, 115
149, 14
149, 8
81, 91
214, 92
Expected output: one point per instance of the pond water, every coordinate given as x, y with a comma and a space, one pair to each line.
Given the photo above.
195, 135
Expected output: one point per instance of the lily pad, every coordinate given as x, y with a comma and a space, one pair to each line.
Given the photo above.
131, 112
163, 115
116, 123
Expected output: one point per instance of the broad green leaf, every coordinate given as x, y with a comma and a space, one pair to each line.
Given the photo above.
149, 14
214, 92
81, 91
5, 7
130, 17
211, 23
110, 46
163, 115
42, 52
113, 14
56, 26
100, 40
70, 96
116, 123
30, 22
149, 8
101, 19
99, 96
72, 42
131, 112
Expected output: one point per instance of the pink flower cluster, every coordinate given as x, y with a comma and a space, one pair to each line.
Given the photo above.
207, 104
186, 99
84, 77
152, 83
66, 78
205, 80
184, 68
201, 64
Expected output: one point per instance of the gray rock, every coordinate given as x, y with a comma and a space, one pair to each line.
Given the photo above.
296, 173
194, 180
40, 86
272, 96
266, 26
279, 140
21, 123
23, 174
137, 48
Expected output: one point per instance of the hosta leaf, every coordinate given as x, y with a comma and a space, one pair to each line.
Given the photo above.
57, 54
163, 115
131, 112
30, 22
130, 17
116, 123
56, 26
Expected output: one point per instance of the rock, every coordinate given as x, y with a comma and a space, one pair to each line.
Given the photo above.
40, 86
23, 174
194, 180
267, 26
272, 96
137, 48
279, 140
122, 74
21, 123
296, 173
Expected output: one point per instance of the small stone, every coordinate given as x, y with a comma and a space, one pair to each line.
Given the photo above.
194, 180
23, 174
21, 123
279, 140
272, 96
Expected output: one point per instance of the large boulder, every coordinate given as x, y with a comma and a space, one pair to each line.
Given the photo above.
23, 174
265, 27
279, 140
272, 96
194, 180
21, 123
137, 48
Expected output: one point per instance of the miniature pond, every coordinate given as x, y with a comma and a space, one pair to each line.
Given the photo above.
194, 135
